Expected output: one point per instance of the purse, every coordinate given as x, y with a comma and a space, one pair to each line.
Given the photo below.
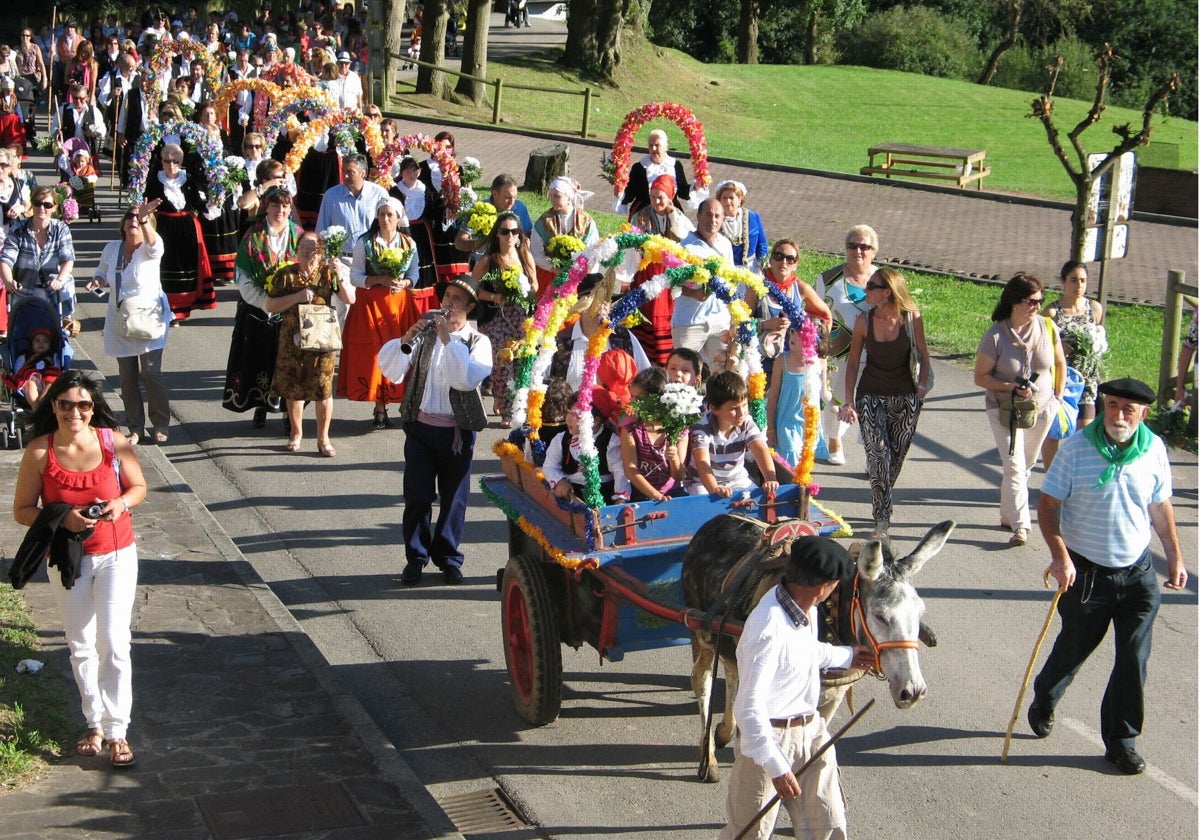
914, 358
1018, 413
140, 320
319, 329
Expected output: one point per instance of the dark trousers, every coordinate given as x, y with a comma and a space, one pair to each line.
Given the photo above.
1127, 599
432, 470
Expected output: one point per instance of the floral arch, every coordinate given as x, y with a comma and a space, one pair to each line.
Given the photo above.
158, 67
678, 114
345, 127
451, 185
212, 156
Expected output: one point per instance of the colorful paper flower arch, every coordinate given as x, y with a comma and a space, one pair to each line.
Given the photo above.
291, 102
287, 73
345, 128
264, 92
678, 114
211, 154
623, 255
451, 185
158, 67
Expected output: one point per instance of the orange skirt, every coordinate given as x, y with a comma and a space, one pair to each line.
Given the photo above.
376, 317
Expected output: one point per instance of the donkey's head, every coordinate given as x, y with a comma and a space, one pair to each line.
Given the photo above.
892, 609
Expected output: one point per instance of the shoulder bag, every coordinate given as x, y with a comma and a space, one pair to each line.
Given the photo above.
319, 330
914, 358
138, 320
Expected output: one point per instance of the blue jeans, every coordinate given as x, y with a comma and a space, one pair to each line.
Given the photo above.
432, 470
1128, 599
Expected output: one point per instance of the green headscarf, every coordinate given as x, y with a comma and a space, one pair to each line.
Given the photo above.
1115, 455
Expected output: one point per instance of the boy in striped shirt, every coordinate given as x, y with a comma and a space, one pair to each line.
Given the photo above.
719, 442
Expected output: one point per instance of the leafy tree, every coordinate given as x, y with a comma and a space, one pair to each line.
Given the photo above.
594, 30
913, 39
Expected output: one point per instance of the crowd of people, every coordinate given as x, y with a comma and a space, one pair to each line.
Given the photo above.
428, 306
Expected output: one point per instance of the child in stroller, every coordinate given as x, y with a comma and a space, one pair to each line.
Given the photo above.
81, 176
36, 353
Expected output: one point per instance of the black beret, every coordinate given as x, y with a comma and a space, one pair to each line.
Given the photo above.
817, 560
1129, 389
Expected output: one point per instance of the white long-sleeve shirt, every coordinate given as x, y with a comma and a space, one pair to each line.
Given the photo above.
451, 365
779, 676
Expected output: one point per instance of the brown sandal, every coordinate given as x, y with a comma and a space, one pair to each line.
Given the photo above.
119, 753
90, 744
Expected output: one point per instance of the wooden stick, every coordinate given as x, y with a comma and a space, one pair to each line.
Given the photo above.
116, 135
804, 767
50, 69
1032, 660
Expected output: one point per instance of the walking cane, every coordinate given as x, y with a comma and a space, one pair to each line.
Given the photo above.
116, 136
804, 767
1032, 659
50, 69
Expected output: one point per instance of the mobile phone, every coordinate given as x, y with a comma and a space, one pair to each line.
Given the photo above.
100, 292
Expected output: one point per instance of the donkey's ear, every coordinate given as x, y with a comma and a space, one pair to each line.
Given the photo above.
870, 560
930, 545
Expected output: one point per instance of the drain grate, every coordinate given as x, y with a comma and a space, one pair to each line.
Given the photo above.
482, 810
262, 813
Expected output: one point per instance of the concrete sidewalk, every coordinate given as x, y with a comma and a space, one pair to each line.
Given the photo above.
240, 727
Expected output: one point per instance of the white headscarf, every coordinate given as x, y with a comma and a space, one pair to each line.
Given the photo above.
397, 205
570, 187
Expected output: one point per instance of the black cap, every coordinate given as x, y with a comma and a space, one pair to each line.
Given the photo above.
817, 560
1129, 389
464, 281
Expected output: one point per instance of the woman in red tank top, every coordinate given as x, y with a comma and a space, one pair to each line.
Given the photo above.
78, 458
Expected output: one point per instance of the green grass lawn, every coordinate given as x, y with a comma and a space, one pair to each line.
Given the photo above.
820, 117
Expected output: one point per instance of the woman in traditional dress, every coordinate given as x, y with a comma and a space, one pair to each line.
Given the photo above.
424, 210
505, 248
219, 222
186, 273
255, 343
743, 227
643, 174
382, 308
300, 375
565, 216
663, 218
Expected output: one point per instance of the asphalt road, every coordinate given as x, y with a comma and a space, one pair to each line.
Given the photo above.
429, 666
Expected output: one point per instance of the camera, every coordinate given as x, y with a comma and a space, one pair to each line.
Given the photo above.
94, 512
1030, 383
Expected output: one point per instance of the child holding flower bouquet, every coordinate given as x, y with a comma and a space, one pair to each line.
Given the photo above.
654, 442
505, 273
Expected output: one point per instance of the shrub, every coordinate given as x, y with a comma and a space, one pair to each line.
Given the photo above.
1023, 68
913, 39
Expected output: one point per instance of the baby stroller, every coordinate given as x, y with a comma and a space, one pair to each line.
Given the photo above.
28, 316
76, 169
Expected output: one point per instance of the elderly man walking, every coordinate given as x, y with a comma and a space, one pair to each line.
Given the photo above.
1108, 488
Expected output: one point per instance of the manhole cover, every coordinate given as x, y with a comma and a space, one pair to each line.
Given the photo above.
262, 813
480, 811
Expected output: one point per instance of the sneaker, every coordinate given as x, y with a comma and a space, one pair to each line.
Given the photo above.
838, 458
412, 574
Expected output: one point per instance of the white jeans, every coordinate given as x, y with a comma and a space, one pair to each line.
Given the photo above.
1015, 470
96, 614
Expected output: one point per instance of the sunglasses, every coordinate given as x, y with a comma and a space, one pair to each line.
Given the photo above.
45, 205
509, 231
859, 246
876, 286
1033, 301
172, 160
67, 406
781, 257
255, 146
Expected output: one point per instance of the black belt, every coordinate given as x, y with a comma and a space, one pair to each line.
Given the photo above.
1082, 564
788, 723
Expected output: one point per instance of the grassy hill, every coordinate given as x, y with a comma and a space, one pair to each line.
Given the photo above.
821, 117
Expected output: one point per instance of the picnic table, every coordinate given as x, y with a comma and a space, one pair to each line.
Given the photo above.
941, 163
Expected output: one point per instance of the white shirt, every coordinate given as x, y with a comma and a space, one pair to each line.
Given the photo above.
779, 676
139, 280
710, 310
451, 365
579, 343
347, 90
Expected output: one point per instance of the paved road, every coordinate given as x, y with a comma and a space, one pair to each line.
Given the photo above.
428, 664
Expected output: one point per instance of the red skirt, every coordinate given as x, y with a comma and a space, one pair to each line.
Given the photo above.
655, 334
185, 271
376, 317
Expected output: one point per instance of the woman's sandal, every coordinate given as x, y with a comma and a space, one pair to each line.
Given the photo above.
90, 744
381, 420
326, 450
293, 444
119, 753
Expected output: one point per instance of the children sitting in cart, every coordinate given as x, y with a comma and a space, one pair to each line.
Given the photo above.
684, 366
654, 440
562, 467
719, 442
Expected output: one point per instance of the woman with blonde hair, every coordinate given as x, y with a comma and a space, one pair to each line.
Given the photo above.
887, 399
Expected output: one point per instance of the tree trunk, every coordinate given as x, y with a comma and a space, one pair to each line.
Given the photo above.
393, 45
433, 49
814, 33
747, 47
594, 36
1010, 41
474, 55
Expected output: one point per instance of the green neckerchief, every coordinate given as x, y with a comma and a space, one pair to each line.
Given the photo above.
1115, 455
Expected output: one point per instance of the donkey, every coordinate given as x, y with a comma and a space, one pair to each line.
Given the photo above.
732, 561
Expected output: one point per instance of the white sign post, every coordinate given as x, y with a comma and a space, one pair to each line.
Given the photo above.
1110, 201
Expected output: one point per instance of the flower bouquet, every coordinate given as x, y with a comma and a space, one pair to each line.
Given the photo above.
674, 410
562, 249
512, 285
479, 219
68, 207
393, 261
1089, 343
235, 175
469, 171
334, 238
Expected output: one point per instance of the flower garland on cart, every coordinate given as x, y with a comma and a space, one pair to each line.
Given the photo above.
451, 184
620, 161
212, 157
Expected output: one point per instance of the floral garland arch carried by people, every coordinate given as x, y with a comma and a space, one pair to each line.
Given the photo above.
289, 103
622, 149
451, 185
212, 157
264, 91
286, 73
345, 128
158, 68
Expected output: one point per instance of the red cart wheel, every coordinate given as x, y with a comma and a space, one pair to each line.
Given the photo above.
532, 649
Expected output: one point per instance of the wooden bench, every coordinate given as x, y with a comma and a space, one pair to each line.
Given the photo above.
941, 163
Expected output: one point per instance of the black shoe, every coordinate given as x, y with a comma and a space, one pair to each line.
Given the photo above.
1041, 720
452, 575
1127, 761
412, 574
260, 417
